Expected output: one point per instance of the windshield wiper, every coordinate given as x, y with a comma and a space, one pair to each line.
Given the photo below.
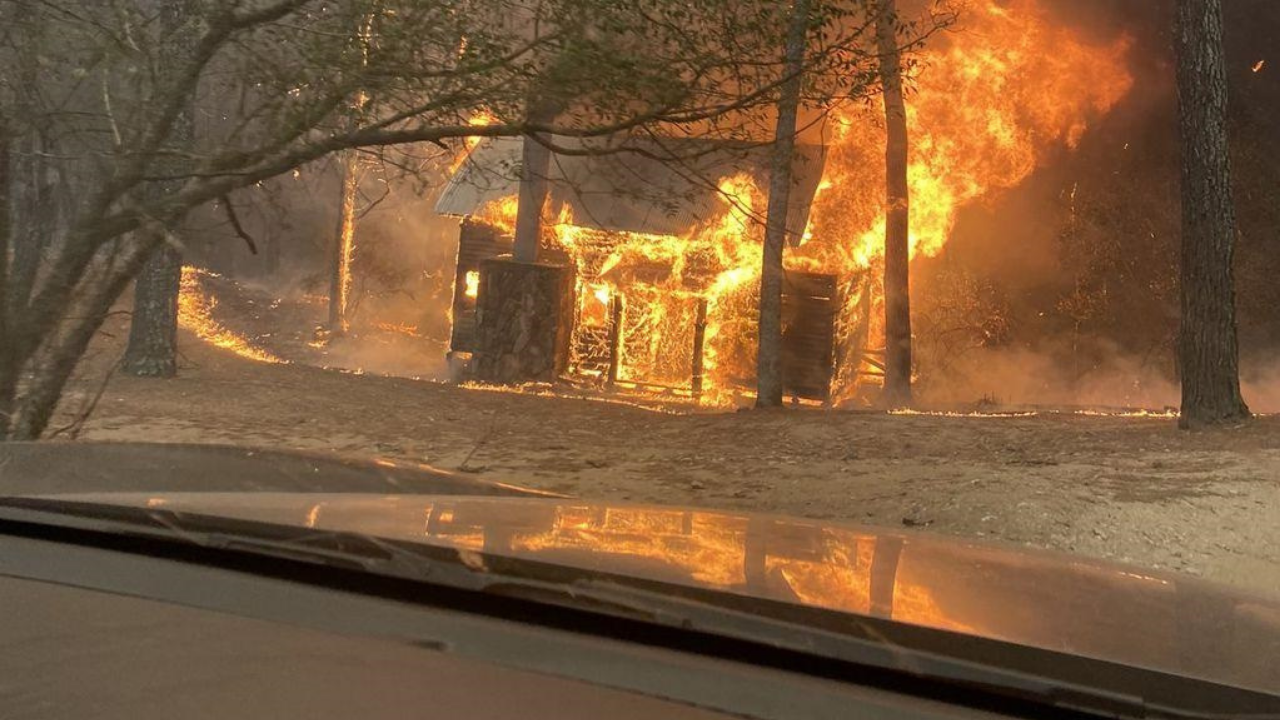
460, 569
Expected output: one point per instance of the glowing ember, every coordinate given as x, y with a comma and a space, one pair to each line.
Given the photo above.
1153, 414
546, 390
398, 328
1257, 67
346, 246
195, 313
480, 119
952, 414
663, 279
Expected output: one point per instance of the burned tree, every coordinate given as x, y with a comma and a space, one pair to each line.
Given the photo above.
897, 248
344, 239
343, 247
1208, 355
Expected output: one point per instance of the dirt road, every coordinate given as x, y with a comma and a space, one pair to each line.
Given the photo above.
1128, 488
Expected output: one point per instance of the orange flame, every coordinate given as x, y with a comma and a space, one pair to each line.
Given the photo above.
988, 104
195, 313
482, 118
664, 278
500, 213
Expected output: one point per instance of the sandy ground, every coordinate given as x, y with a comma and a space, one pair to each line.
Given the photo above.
1133, 489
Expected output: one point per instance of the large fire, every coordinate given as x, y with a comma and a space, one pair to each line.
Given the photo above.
986, 105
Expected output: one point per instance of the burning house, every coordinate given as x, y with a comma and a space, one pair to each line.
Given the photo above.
662, 258
662, 247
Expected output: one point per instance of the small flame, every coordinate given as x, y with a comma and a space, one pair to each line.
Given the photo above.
481, 119
500, 213
472, 281
398, 328
1257, 67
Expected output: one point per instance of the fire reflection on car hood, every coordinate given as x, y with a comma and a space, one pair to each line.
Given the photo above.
1047, 600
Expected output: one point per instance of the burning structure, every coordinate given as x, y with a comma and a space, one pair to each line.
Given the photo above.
665, 257
663, 247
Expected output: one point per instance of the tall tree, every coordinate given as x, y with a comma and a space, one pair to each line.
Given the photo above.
897, 248
6, 235
1208, 355
32, 204
344, 244
769, 381
153, 331
344, 241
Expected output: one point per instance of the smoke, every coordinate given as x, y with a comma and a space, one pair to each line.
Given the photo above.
403, 282
1104, 377
403, 265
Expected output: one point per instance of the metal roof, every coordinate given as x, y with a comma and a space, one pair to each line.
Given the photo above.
663, 187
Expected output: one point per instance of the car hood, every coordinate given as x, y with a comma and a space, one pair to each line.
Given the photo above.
1063, 603
1047, 600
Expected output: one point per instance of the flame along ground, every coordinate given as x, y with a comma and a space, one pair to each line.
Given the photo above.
987, 103
195, 313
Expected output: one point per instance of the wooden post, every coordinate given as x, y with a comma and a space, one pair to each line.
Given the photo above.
615, 335
699, 339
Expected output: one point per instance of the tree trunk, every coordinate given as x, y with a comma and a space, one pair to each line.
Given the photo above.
897, 248
32, 208
534, 168
1207, 349
153, 350
8, 379
153, 334
57, 357
344, 246
769, 353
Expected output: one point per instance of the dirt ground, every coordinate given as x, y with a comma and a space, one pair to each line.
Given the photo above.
1134, 489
